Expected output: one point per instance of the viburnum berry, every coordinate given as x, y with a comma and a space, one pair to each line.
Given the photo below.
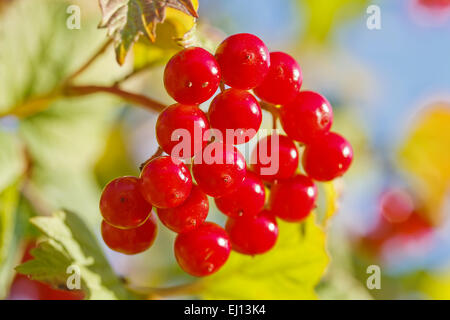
252, 235
275, 157
165, 184
247, 200
328, 157
219, 169
122, 204
238, 112
283, 82
293, 199
130, 241
202, 250
306, 117
189, 214
192, 76
244, 61
191, 120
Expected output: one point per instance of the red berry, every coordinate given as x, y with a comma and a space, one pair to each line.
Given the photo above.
219, 169
396, 205
435, 4
164, 183
130, 241
283, 81
192, 76
328, 157
292, 200
190, 214
237, 112
247, 200
306, 117
122, 204
253, 235
277, 161
188, 118
244, 61
202, 250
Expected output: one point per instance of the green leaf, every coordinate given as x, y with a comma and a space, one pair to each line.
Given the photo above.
12, 160
69, 242
10, 236
127, 20
290, 271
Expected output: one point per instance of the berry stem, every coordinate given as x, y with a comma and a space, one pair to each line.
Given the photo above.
158, 152
274, 111
222, 86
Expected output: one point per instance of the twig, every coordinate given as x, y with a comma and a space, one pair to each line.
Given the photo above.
89, 62
32, 106
138, 71
136, 98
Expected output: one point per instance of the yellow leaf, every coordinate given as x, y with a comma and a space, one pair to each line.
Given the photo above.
291, 270
168, 39
128, 20
327, 204
323, 15
426, 155
182, 22
437, 287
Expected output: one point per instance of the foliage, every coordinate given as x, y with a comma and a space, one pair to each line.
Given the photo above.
9, 236
289, 271
69, 242
59, 138
128, 20
423, 156
324, 15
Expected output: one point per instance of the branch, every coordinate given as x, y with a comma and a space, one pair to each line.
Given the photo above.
41, 103
136, 98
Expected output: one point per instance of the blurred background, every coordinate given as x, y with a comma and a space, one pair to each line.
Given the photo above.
389, 87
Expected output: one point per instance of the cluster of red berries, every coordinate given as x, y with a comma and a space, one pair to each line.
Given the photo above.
191, 77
